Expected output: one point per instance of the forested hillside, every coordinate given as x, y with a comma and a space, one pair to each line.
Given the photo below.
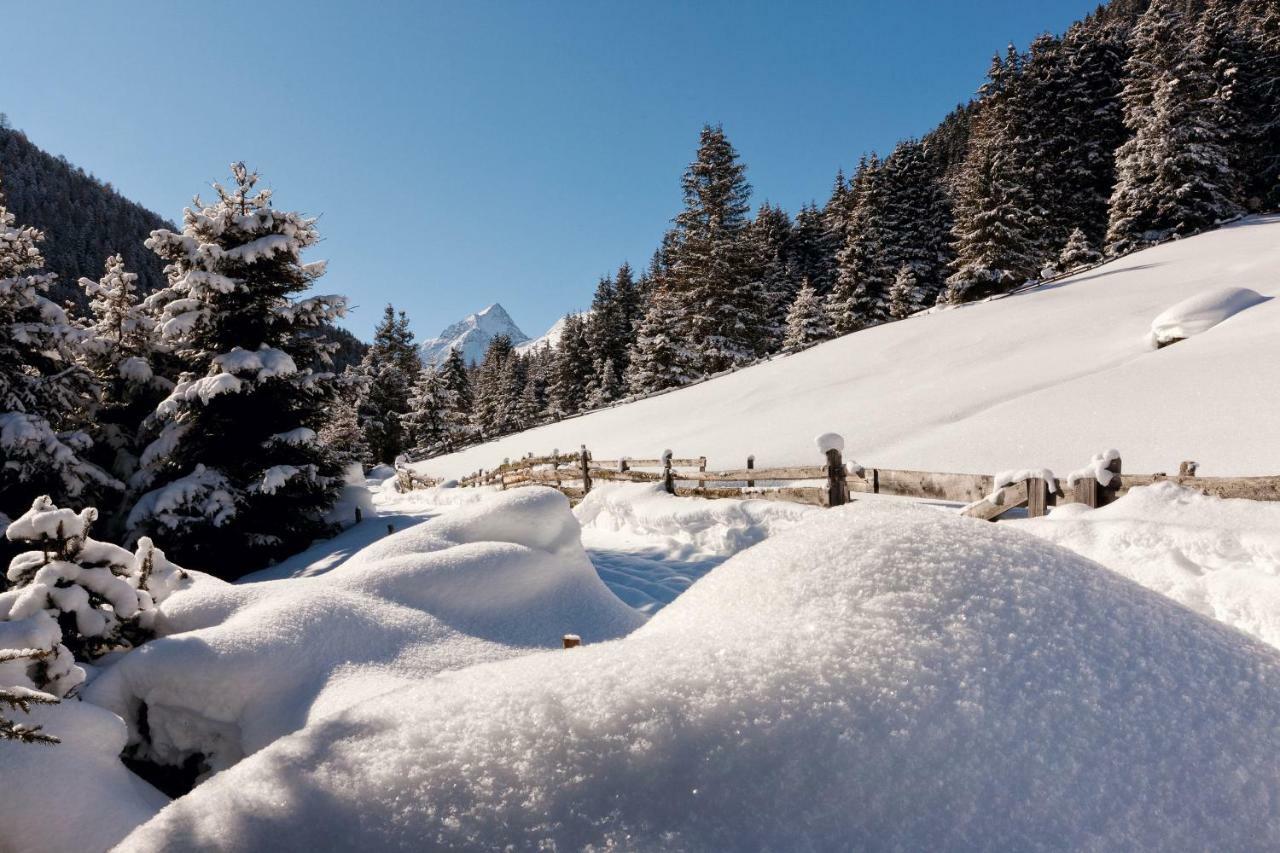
1145, 122
84, 219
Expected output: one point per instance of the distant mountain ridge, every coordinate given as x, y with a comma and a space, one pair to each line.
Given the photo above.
472, 335
84, 219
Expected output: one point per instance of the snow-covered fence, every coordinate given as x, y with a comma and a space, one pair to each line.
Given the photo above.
836, 481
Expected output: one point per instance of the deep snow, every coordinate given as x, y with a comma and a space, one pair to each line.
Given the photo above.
884, 677
1045, 378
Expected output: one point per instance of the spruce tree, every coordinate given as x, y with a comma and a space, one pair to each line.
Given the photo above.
1078, 252
235, 476
860, 297
660, 359
457, 383
807, 321
494, 394
44, 390
342, 433
905, 297
719, 303
770, 239
390, 367
120, 351
426, 423
572, 370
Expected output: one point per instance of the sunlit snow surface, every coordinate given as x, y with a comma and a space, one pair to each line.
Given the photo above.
1045, 378
870, 677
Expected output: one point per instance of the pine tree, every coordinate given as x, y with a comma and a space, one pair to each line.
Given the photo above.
719, 302
905, 298
998, 221
235, 474
860, 297
661, 359
390, 367
916, 221
119, 350
493, 392
807, 321
1078, 252
457, 383
1176, 175
343, 433
768, 237
572, 370
426, 424
42, 386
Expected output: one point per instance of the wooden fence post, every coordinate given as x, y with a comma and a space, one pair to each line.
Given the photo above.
668, 479
1039, 498
586, 470
751, 464
1188, 469
1110, 492
1091, 493
623, 467
837, 482
702, 469
571, 641
555, 465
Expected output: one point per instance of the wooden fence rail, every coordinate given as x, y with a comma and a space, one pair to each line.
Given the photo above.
835, 482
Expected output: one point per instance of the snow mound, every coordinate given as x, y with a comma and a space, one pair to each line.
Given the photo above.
720, 527
75, 795
1218, 557
876, 677
1200, 313
242, 665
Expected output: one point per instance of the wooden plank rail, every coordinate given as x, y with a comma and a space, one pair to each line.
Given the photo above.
834, 483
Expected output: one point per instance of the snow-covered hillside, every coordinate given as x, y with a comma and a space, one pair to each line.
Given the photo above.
472, 335
551, 337
1041, 378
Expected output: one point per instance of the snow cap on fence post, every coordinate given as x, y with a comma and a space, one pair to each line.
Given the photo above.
830, 441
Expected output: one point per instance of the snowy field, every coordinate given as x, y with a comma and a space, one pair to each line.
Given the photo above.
880, 675
1044, 378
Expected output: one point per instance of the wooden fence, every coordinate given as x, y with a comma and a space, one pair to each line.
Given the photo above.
834, 482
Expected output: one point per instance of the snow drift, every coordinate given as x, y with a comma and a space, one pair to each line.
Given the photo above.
954, 390
242, 665
1218, 557
874, 677
1201, 313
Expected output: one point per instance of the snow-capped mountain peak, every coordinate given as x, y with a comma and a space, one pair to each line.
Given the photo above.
472, 335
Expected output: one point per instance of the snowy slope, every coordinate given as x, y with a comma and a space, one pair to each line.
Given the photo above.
1043, 378
472, 335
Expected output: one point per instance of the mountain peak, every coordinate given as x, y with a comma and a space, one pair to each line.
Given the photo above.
472, 335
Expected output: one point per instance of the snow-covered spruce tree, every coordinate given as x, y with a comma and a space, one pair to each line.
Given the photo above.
905, 296
807, 321
572, 370
916, 221
458, 383
119, 349
75, 598
342, 432
235, 476
769, 237
1077, 253
860, 296
1182, 153
998, 220
661, 359
494, 396
426, 422
608, 331
44, 390
390, 367
21, 699
719, 304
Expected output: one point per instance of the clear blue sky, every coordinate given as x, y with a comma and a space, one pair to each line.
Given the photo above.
464, 153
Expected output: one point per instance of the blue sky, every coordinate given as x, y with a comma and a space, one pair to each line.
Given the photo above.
473, 152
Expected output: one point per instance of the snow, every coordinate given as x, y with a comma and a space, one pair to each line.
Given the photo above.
472, 335
1097, 469
75, 795
550, 338
1218, 557
240, 666
830, 441
1200, 313
135, 369
873, 677
1043, 378
649, 546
